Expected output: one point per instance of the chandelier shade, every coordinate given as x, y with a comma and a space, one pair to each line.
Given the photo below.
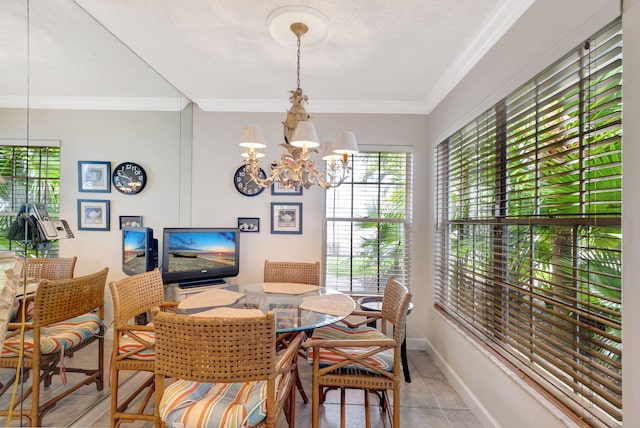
253, 137
305, 135
296, 167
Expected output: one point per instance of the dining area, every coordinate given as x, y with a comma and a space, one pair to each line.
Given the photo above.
271, 353
227, 327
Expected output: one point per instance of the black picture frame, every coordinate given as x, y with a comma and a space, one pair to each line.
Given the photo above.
249, 224
130, 220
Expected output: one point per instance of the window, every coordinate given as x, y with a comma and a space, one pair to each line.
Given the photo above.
368, 224
32, 174
528, 240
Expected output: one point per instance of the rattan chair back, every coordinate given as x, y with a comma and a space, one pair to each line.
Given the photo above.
215, 349
61, 299
395, 305
136, 294
51, 267
296, 272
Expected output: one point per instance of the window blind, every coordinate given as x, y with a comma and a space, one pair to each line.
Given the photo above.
368, 224
32, 175
528, 235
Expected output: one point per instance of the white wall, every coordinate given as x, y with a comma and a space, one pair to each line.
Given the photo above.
547, 31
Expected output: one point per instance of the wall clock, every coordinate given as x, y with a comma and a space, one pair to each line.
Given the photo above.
129, 178
245, 184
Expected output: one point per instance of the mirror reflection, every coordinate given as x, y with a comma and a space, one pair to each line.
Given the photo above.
56, 59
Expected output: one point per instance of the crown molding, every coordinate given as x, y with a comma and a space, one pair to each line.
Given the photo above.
95, 103
318, 106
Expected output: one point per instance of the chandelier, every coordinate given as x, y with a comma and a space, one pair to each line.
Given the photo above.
296, 166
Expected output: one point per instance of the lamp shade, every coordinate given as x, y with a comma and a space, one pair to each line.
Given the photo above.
327, 152
253, 137
305, 135
346, 143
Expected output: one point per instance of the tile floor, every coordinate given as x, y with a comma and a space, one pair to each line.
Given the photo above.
428, 401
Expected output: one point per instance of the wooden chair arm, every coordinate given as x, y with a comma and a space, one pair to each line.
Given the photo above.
16, 326
287, 359
367, 317
133, 328
368, 314
169, 306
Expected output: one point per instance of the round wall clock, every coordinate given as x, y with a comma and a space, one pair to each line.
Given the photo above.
245, 184
129, 178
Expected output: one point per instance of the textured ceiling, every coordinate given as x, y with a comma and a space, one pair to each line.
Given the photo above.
380, 56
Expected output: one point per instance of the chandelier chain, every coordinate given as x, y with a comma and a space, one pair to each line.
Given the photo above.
298, 69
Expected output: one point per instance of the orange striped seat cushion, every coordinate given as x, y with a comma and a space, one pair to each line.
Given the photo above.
58, 336
198, 404
128, 344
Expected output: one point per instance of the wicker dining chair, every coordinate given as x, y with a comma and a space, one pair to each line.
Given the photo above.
298, 273
68, 315
51, 267
364, 358
225, 369
133, 345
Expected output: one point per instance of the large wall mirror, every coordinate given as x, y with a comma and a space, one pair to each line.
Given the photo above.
67, 82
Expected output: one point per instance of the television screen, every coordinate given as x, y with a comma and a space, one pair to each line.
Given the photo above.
139, 250
200, 256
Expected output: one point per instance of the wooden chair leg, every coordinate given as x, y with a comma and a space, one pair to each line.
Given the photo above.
343, 399
396, 408
316, 392
367, 415
299, 385
292, 408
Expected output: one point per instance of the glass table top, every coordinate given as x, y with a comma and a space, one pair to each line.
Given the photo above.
286, 307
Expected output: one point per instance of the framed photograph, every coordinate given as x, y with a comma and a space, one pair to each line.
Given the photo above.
94, 176
249, 224
278, 189
93, 214
130, 220
286, 217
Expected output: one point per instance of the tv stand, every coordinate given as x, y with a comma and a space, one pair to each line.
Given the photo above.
202, 283
177, 294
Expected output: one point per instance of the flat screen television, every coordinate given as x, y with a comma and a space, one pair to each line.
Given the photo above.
199, 256
139, 250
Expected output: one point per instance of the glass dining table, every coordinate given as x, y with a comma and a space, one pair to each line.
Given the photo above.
297, 307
